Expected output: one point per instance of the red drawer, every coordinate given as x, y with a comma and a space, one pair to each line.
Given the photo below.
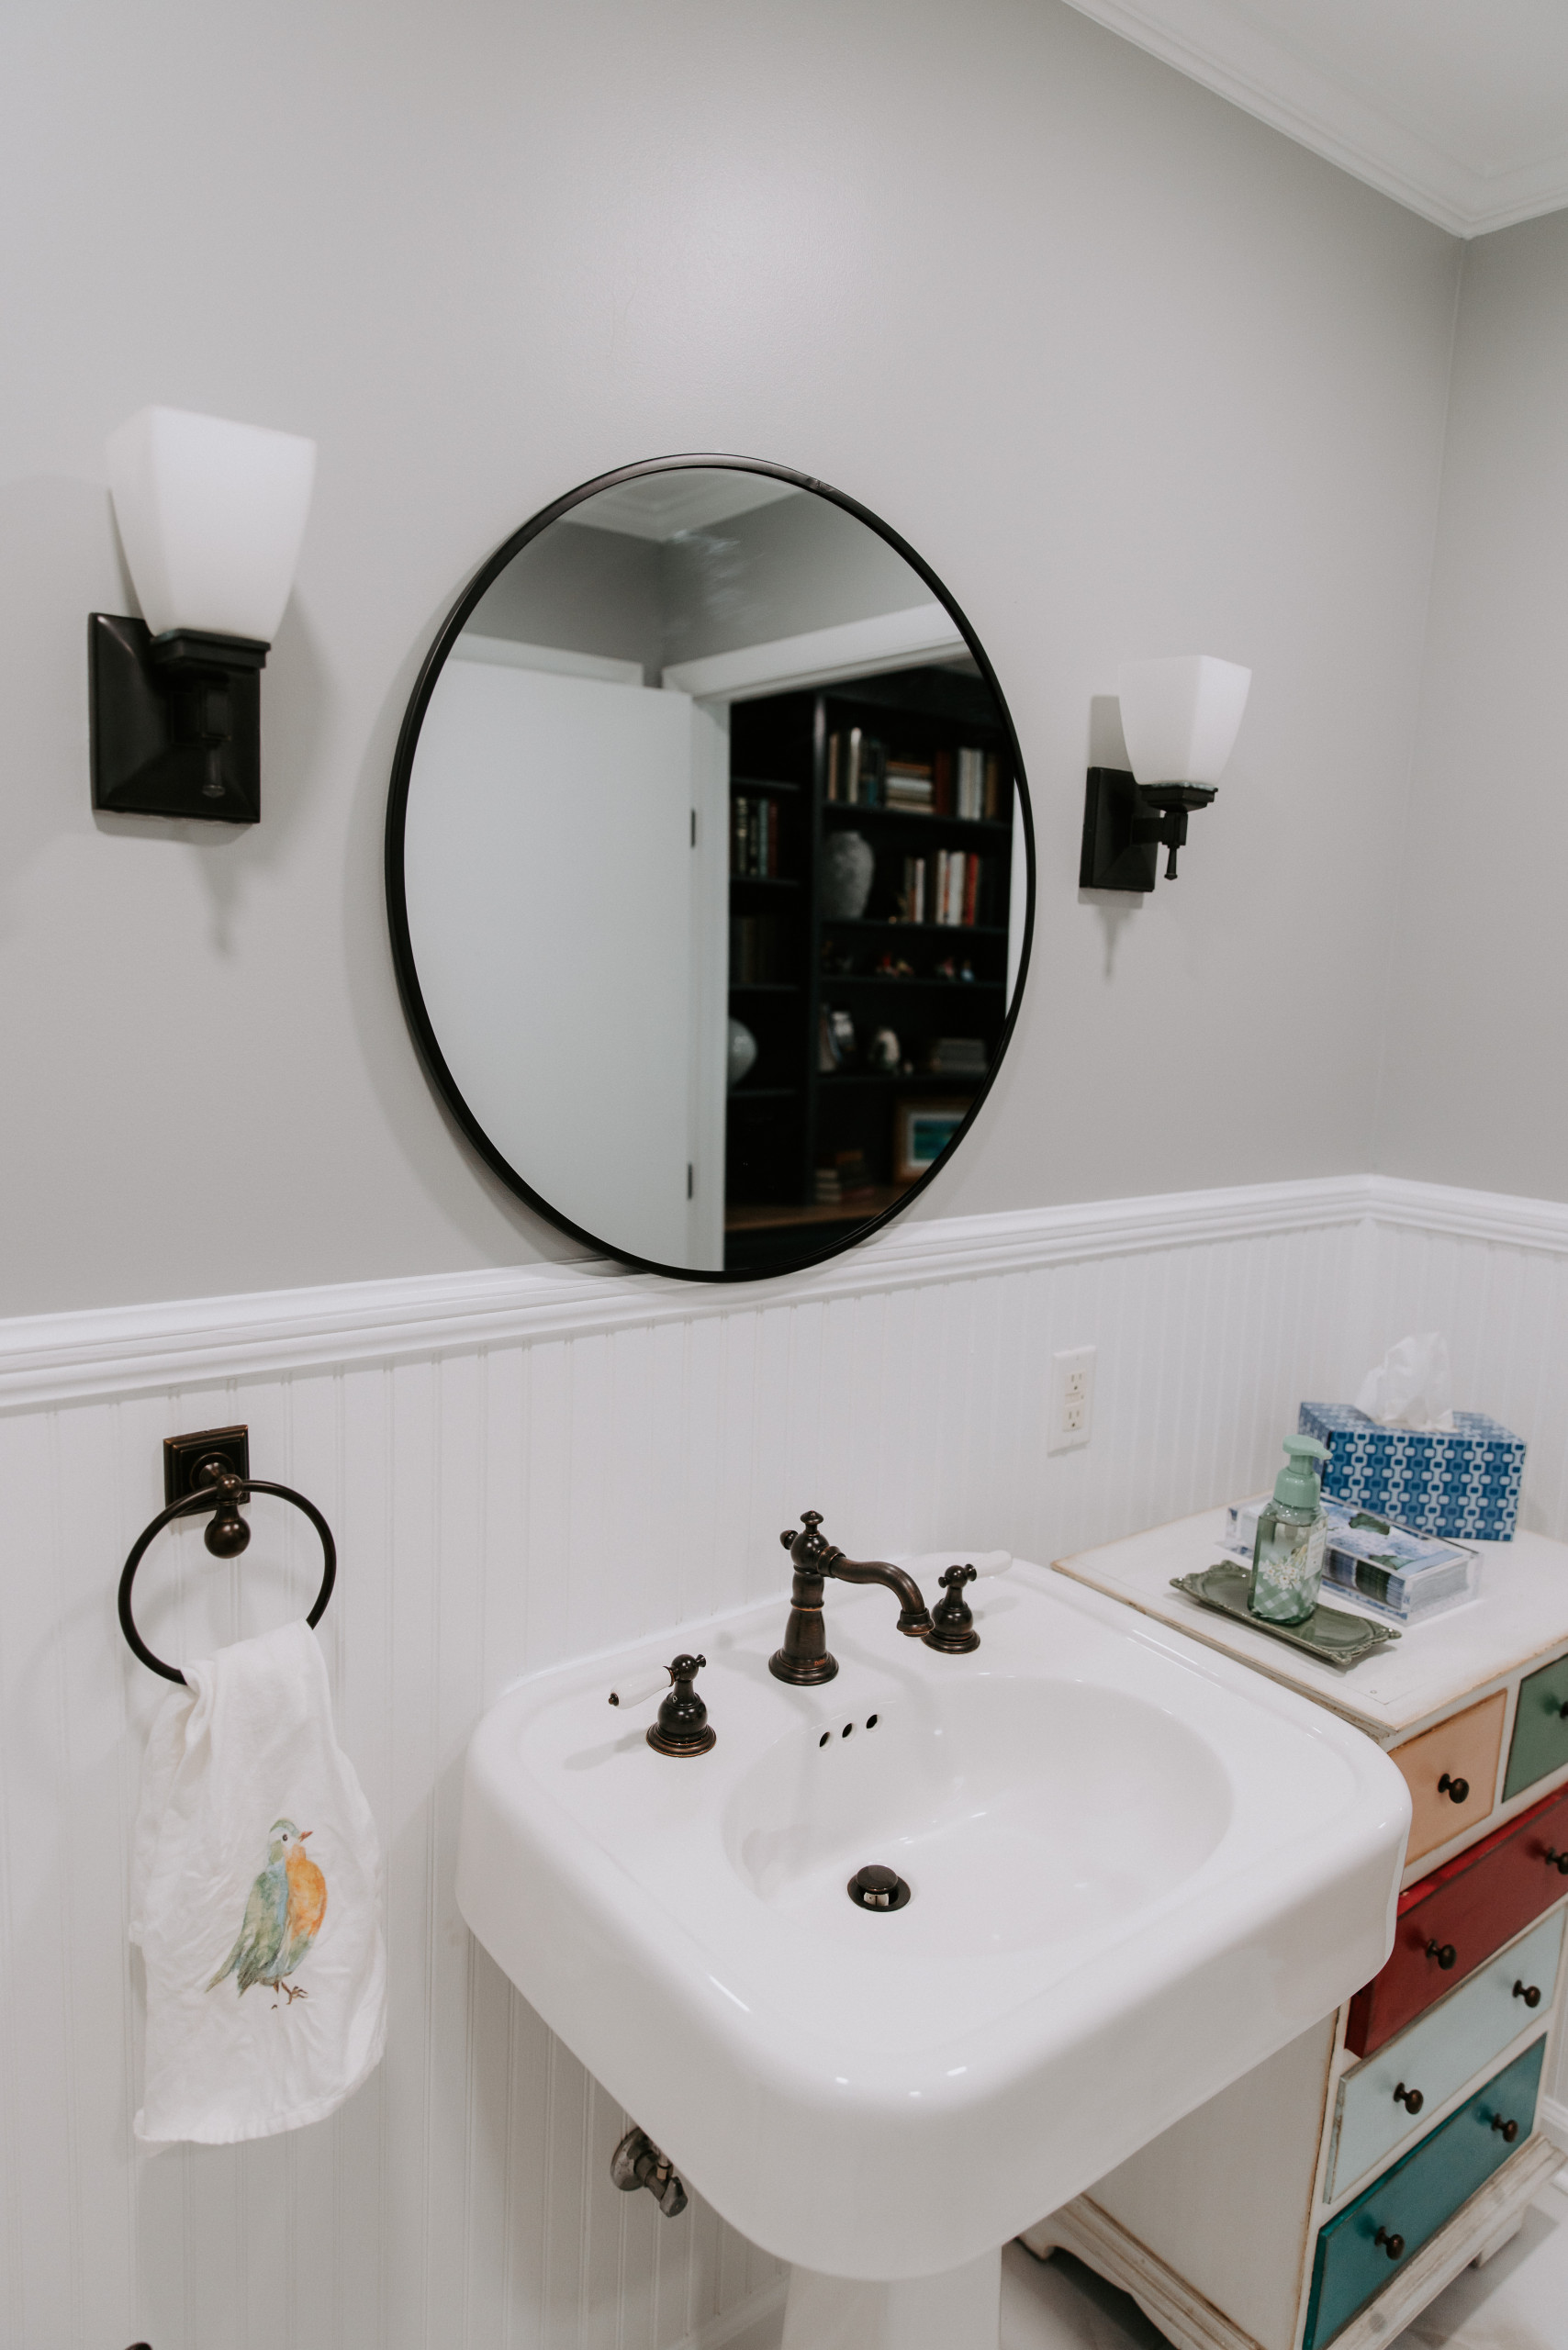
1471, 1906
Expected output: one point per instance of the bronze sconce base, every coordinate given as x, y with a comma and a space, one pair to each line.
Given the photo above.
177, 724
1125, 824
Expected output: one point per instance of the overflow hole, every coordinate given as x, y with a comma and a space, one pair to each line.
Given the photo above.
823, 1739
846, 1730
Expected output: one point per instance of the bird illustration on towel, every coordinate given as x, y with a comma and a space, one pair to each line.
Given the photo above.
283, 1915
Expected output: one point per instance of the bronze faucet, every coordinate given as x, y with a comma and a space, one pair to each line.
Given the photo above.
804, 1656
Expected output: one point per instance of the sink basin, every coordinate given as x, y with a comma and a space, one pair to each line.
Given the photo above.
1137, 1869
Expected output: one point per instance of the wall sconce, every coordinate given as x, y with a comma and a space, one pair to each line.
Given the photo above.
210, 515
1179, 721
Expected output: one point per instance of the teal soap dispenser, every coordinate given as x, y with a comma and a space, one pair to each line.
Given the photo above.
1287, 1555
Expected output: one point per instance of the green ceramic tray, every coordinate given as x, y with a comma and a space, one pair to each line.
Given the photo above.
1328, 1633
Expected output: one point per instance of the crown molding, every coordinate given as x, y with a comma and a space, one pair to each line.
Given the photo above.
1240, 62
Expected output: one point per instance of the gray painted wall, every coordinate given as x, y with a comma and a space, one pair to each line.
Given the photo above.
1478, 999
1134, 373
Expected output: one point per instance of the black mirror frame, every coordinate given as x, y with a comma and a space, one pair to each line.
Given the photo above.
418, 1020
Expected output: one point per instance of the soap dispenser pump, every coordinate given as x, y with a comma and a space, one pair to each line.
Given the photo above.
1287, 1554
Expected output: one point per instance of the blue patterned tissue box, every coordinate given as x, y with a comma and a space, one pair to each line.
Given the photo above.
1464, 1486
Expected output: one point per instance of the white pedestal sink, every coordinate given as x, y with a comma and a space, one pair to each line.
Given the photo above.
1136, 1868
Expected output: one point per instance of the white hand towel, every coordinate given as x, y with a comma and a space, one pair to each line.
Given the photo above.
256, 1902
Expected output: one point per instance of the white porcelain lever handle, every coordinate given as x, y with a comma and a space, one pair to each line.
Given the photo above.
638, 1687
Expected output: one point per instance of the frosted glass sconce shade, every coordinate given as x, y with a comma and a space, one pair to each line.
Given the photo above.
1179, 717
211, 515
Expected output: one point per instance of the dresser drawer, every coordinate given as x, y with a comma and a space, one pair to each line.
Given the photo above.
1409, 2203
1540, 1728
1452, 1772
1470, 1907
1463, 2035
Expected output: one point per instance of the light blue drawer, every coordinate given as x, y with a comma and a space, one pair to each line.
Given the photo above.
1372, 2239
1434, 2057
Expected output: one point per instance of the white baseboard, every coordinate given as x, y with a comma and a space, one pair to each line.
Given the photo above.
1552, 2117
728, 2327
63, 1358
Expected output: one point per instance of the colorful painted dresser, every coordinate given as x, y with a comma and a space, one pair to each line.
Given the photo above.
1328, 2196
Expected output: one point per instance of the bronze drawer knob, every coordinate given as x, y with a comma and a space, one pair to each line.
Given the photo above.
1444, 1952
1411, 2100
1456, 1790
1393, 2245
1509, 2129
1558, 1861
1528, 1992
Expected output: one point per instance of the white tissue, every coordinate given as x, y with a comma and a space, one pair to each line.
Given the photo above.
1411, 1388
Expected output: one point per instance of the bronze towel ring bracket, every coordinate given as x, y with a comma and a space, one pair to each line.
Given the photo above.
225, 1537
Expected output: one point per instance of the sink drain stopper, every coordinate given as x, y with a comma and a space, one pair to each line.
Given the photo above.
878, 1889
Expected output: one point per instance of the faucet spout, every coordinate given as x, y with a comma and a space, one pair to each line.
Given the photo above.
804, 1657
914, 1616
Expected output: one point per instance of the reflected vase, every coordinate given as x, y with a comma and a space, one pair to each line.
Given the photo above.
848, 863
742, 1052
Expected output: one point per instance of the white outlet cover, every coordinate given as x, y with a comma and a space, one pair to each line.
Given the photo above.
1071, 1413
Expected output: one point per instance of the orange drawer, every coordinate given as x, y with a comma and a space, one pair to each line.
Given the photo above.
1452, 1772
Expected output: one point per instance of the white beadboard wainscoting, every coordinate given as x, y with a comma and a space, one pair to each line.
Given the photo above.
526, 1466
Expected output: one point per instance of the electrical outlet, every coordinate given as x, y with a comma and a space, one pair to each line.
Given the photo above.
1073, 1399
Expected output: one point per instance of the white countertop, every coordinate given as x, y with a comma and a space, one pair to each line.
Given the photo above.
1520, 1615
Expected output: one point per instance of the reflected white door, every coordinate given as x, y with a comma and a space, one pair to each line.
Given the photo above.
550, 815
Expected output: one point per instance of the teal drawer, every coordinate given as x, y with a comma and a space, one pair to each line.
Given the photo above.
1540, 1728
1432, 2058
1411, 2202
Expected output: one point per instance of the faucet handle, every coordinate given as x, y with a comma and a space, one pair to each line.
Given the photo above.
682, 1727
952, 1622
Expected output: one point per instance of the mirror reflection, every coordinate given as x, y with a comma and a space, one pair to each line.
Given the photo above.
707, 870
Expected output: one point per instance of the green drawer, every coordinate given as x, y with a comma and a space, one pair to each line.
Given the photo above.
1414, 2199
1540, 1728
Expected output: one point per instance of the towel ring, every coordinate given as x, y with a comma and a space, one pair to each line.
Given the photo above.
222, 1496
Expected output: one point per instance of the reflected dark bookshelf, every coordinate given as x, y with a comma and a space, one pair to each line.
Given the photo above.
922, 819
921, 1082
830, 996
899, 928
955, 987
779, 1215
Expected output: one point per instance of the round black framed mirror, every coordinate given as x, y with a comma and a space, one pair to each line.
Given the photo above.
710, 867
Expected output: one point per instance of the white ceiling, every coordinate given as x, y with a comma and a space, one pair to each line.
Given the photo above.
1457, 108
